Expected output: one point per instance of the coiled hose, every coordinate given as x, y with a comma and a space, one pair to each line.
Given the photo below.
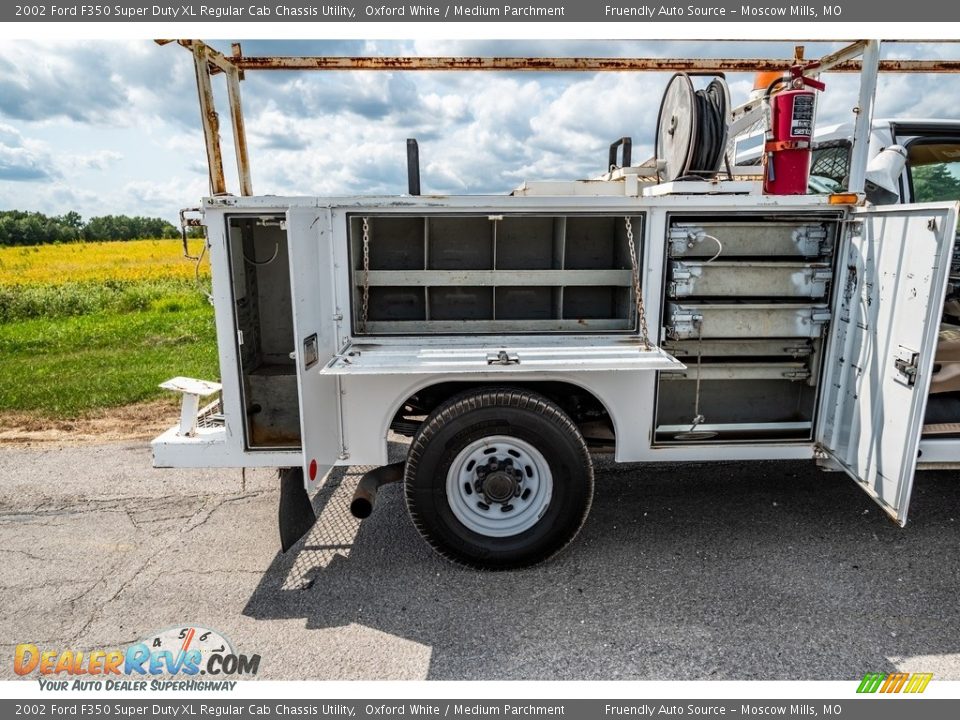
711, 111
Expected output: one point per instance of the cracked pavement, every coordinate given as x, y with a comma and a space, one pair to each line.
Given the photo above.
723, 571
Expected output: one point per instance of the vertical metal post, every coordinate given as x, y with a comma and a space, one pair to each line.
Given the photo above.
190, 405
209, 119
413, 167
239, 131
859, 155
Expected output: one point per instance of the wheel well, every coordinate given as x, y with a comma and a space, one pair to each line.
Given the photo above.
584, 408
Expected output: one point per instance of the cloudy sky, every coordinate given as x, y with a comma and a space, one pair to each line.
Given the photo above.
113, 127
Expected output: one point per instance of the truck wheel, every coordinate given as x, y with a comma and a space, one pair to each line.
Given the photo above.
498, 478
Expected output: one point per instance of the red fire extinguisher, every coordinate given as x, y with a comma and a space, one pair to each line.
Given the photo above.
786, 156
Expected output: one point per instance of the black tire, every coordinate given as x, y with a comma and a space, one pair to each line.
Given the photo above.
515, 413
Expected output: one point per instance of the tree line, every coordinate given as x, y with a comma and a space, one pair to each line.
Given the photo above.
932, 183
19, 227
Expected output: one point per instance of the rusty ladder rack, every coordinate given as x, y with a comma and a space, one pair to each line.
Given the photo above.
209, 62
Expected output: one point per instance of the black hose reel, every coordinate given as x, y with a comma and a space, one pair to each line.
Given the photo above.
692, 127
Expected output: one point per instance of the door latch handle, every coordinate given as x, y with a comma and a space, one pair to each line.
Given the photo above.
503, 358
906, 363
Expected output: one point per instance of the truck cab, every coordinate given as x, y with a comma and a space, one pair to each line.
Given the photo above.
930, 173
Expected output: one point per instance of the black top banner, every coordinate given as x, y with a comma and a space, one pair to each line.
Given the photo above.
614, 11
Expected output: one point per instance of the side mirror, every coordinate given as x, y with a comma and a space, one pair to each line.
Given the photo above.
883, 175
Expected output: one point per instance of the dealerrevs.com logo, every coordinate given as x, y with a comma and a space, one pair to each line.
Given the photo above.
171, 659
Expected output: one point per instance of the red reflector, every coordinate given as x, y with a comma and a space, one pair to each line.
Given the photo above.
313, 469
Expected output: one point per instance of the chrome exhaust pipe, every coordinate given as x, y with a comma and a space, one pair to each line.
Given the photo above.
366, 493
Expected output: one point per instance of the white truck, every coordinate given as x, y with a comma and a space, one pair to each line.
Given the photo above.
513, 337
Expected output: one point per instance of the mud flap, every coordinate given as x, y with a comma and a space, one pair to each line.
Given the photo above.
296, 511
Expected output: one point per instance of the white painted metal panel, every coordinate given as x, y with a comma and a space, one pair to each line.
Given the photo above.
498, 358
213, 447
892, 273
372, 400
312, 284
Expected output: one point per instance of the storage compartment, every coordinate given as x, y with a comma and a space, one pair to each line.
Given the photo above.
763, 237
519, 302
746, 320
727, 279
401, 245
260, 273
397, 303
746, 303
530, 243
593, 303
272, 406
458, 243
735, 410
461, 303
594, 243
492, 273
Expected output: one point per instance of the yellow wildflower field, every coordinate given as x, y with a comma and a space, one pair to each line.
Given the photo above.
131, 260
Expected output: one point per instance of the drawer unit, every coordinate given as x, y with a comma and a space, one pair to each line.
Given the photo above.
765, 238
742, 371
746, 304
688, 350
731, 279
685, 321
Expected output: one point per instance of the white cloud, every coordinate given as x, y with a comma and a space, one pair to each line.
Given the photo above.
26, 159
23, 160
146, 196
114, 126
100, 160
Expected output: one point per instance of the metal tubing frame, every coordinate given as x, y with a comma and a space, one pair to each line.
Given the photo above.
581, 64
210, 120
859, 154
209, 61
239, 131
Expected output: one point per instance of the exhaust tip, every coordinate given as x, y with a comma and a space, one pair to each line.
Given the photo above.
365, 495
361, 508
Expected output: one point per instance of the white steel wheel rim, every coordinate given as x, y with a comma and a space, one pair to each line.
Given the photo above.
479, 500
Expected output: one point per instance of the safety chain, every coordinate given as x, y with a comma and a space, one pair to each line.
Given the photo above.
365, 296
637, 293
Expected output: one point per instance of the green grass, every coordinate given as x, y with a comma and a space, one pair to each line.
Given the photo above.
65, 352
42, 300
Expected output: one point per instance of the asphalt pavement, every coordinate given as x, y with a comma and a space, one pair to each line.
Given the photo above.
768, 570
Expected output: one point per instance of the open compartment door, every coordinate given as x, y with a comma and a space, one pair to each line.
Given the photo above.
312, 286
501, 356
891, 276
